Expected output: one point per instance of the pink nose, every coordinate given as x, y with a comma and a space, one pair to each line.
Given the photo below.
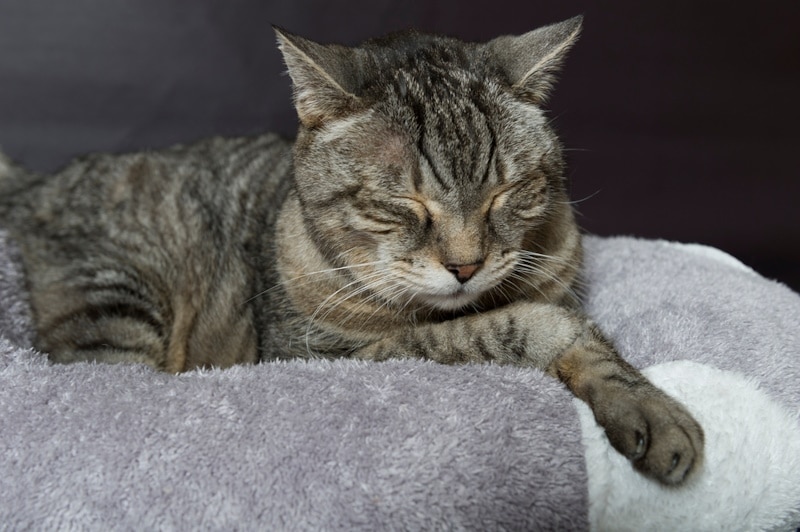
463, 272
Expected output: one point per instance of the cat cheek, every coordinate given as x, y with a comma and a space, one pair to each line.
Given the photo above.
505, 233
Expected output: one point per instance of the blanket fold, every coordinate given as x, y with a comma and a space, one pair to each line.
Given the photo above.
355, 445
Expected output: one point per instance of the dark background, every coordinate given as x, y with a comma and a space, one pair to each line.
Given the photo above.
682, 118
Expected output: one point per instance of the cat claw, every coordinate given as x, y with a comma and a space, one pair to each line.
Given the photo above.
640, 446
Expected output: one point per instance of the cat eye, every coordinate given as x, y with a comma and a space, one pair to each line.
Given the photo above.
420, 209
382, 217
528, 212
374, 221
514, 199
499, 199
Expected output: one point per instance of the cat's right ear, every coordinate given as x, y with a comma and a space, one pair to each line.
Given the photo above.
529, 62
322, 76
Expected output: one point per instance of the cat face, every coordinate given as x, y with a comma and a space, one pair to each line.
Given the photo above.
427, 176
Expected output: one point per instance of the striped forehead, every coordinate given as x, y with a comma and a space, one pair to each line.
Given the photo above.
454, 133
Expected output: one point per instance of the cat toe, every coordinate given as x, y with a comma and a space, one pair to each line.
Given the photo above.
672, 455
660, 438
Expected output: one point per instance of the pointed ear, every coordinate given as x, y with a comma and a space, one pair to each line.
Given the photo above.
529, 62
323, 77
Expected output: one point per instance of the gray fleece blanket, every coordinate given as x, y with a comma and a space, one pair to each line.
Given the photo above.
411, 445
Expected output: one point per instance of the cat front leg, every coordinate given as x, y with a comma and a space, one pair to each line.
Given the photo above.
657, 434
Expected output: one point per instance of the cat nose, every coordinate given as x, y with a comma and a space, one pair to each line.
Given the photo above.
463, 272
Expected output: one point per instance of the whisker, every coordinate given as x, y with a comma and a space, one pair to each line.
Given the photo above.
368, 283
527, 254
413, 315
373, 297
550, 276
319, 272
503, 292
385, 302
576, 202
577, 281
313, 318
528, 282
532, 262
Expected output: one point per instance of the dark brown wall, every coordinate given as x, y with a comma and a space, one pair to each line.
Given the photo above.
682, 117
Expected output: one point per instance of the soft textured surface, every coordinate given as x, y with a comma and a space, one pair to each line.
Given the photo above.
751, 470
408, 444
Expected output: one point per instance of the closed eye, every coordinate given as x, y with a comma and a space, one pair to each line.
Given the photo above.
518, 200
420, 208
500, 198
375, 223
530, 213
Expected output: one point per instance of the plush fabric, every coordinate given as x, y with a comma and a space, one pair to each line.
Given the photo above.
415, 445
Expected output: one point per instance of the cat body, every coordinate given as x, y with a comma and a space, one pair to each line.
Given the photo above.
421, 212
152, 257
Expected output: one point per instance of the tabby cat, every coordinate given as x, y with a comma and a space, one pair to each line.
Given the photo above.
420, 213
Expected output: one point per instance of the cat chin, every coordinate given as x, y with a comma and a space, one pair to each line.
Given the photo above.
451, 302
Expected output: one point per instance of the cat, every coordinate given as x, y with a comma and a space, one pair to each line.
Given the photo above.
421, 212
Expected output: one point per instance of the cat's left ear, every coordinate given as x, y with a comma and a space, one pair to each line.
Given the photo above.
530, 62
323, 78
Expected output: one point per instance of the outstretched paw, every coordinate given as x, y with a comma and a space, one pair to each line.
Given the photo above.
660, 438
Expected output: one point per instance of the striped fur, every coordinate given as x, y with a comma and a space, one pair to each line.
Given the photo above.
421, 212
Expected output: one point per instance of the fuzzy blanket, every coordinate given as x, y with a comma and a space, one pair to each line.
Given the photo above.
409, 445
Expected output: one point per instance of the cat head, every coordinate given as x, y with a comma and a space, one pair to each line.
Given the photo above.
427, 164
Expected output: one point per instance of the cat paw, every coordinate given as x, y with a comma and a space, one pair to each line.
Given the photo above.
658, 435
